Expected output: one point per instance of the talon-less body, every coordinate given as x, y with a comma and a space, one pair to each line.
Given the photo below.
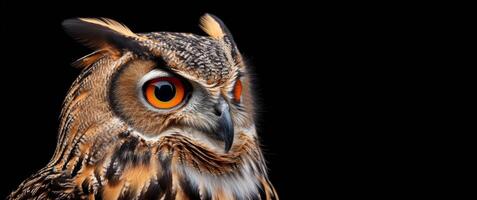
155, 116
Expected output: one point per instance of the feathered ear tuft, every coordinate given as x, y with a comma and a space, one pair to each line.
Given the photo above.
103, 34
212, 26
216, 29
111, 25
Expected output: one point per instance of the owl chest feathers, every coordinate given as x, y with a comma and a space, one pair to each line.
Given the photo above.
172, 167
175, 166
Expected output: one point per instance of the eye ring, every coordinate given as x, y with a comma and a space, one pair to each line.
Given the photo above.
164, 92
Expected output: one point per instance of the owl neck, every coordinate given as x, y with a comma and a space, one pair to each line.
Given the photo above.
172, 167
176, 166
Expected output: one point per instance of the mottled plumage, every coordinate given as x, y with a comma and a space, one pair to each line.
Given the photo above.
114, 144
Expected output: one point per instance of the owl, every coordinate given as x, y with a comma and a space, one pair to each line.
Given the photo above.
158, 115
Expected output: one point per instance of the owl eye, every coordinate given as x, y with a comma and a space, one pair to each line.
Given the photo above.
237, 90
164, 92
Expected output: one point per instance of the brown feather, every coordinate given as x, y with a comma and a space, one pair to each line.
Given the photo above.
112, 25
90, 59
104, 34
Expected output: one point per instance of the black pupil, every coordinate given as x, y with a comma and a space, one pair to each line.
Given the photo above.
164, 91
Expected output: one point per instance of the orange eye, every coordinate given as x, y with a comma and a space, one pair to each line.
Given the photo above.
237, 90
164, 92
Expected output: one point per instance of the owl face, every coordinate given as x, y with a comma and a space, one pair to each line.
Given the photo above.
165, 83
155, 100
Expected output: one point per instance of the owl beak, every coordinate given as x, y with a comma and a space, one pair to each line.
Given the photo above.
226, 127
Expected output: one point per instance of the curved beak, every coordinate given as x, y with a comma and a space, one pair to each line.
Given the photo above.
226, 127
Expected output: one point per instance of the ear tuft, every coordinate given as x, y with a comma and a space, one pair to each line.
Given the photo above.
212, 26
216, 29
111, 24
103, 33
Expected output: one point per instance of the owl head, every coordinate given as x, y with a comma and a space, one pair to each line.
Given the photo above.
155, 115
164, 83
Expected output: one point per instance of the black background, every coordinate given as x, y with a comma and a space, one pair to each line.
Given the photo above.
314, 67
